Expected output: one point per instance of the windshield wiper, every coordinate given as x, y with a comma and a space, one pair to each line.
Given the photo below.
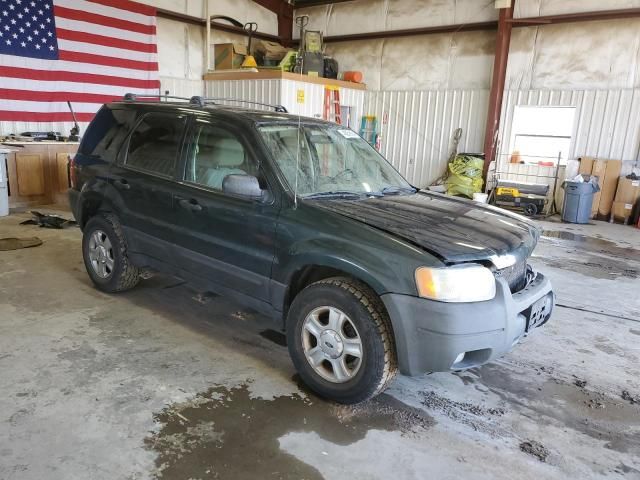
393, 190
341, 194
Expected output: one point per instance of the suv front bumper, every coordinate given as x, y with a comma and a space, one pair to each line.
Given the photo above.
431, 336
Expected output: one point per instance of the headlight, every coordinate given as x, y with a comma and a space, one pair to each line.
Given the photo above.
459, 283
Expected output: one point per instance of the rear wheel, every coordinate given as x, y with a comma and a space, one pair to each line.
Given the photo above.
340, 340
104, 251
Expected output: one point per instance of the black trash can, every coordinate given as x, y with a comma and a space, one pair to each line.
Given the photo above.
578, 199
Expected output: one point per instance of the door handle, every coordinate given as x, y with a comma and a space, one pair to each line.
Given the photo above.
121, 184
191, 205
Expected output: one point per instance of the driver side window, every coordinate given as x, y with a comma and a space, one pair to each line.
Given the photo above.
216, 153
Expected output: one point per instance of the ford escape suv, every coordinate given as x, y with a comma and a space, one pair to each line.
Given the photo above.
303, 221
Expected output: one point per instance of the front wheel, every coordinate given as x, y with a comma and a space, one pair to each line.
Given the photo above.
340, 340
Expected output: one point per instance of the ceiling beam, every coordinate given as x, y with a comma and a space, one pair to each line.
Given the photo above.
181, 17
491, 25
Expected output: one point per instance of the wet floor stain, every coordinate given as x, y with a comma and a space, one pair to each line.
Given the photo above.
593, 244
225, 433
593, 266
591, 413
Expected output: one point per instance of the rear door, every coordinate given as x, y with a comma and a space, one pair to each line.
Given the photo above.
227, 240
145, 178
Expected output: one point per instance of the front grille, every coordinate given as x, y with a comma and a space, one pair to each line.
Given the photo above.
515, 275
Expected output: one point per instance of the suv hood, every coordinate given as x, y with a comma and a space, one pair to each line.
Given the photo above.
455, 230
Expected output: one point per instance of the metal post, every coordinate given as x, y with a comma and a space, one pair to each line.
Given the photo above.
503, 40
207, 15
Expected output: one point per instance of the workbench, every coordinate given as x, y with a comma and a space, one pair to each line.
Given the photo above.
38, 172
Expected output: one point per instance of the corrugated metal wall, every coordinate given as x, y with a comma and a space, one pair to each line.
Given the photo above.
285, 92
181, 87
417, 128
607, 122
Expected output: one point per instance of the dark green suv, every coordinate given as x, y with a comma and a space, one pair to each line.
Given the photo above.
303, 221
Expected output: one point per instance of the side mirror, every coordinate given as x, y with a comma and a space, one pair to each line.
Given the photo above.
246, 186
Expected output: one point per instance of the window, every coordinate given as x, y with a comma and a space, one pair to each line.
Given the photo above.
106, 133
155, 143
216, 153
539, 134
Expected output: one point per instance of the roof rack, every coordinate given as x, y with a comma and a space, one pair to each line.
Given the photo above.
277, 108
132, 97
199, 101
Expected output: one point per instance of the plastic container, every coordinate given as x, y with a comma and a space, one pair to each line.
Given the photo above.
352, 76
480, 197
4, 184
578, 199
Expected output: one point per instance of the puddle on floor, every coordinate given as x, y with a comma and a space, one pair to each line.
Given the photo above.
224, 433
593, 244
593, 266
610, 420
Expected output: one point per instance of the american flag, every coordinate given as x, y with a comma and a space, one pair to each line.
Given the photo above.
88, 52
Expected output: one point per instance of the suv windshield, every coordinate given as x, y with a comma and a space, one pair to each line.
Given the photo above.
325, 160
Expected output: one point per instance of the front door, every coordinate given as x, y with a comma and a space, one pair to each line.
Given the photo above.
226, 240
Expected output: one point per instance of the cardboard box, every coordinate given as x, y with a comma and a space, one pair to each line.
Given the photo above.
609, 185
598, 169
586, 165
622, 211
229, 56
628, 191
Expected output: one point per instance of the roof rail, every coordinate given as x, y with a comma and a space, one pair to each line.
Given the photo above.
132, 97
277, 108
199, 101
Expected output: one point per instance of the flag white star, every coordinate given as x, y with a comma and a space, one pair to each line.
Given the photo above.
29, 38
8, 42
33, 4
15, 35
11, 6
44, 40
42, 26
38, 47
51, 48
49, 34
40, 12
23, 44
36, 32
20, 15
21, 30
13, 21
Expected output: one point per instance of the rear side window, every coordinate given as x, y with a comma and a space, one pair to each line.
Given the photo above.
155, 143
106, 133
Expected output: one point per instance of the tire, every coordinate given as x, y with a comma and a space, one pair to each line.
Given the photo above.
530, 209
365, 320
116, 273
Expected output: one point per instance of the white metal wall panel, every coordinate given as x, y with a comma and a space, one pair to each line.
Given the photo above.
417, 128
607, 122
285, 92
263, 91
181, 87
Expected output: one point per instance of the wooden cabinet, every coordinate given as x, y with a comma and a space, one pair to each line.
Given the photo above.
38, 172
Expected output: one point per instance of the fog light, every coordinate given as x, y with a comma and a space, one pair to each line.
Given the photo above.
459, 358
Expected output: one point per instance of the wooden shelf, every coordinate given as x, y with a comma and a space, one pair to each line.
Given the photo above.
279, 75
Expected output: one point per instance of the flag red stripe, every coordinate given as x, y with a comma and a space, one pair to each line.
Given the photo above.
108, 61
103, 20
8, 115
106, 41
134, 7
36, 96
56, 75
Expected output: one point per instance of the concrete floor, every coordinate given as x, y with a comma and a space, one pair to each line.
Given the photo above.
164, 383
